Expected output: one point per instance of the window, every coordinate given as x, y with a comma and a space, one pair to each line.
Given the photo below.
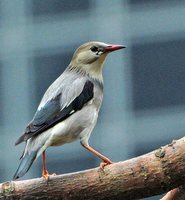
45, 7
1, 102
148, 2
158, 74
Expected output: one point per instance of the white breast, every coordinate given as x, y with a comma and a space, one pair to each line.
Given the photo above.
72, 128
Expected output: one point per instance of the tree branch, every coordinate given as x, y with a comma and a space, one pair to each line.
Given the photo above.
175, 194
151, 174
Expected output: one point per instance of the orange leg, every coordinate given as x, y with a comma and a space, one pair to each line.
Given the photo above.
45, 173
105, 162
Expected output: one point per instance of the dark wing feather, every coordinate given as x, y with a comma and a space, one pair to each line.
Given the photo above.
51, 114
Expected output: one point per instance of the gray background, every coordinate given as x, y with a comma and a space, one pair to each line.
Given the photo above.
144, 102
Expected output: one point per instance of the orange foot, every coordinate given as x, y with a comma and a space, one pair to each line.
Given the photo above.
46, 175
103, 164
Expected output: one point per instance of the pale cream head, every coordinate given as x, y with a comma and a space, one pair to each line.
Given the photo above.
90, 57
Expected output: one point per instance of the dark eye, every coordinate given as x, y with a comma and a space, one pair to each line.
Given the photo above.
94, 49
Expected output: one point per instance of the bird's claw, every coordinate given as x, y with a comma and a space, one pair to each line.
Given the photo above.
46, 175
103, 164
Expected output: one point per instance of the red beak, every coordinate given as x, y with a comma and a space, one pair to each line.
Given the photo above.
114, 47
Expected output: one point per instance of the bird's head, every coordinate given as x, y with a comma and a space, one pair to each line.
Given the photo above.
90, 57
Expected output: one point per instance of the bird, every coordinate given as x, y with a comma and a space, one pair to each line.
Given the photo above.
69, 108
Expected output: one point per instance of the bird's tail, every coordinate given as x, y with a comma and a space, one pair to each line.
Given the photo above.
25, 164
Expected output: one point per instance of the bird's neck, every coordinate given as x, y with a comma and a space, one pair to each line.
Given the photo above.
93, 70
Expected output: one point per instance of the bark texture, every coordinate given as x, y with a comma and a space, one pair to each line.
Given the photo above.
175, 194
154, 173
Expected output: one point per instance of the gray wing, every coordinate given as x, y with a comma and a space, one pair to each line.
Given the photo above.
55, 111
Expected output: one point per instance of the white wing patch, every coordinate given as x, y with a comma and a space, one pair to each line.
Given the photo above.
69, 85
72, 91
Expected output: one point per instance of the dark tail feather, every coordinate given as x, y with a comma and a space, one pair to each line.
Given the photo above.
21, 139
25, 165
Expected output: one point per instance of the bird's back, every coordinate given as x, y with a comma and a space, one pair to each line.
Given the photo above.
67, 95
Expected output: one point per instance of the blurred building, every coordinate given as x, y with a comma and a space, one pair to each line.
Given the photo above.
144, 102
